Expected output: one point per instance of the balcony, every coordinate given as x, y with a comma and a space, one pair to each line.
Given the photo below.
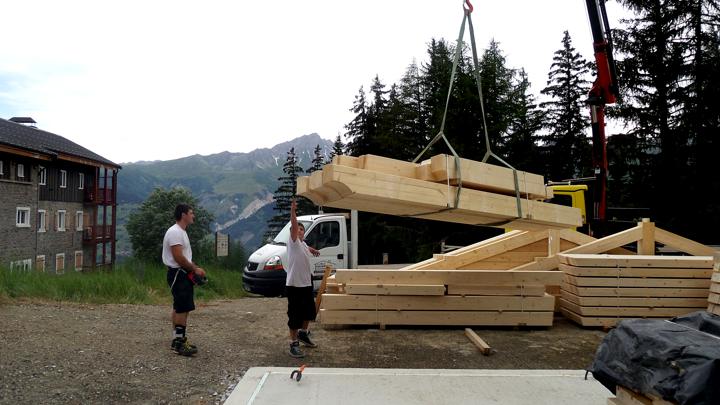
97, 233
99, 196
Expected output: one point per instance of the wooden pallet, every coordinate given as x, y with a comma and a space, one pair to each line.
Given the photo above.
387, 186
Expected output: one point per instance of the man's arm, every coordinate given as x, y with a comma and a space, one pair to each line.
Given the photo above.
293, 221
184, 262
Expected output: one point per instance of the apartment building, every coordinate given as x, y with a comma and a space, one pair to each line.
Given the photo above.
57, 202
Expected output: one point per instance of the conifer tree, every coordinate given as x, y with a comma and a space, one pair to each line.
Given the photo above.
358, 130
566, 144
337, 149
284, 194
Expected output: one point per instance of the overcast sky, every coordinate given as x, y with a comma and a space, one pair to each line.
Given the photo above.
158, 80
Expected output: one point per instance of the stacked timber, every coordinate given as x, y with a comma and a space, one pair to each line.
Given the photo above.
714, 297
601, 289
489, 194
439, 297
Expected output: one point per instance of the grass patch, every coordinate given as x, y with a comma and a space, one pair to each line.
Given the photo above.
131, 282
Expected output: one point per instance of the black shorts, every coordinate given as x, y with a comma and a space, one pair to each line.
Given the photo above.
301, 306
182, 290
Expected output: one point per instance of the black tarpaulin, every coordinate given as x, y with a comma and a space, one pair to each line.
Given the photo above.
678, 360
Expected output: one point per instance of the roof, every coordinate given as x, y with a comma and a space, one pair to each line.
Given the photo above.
36, 140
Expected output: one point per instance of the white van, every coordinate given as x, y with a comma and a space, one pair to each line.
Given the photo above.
265, 274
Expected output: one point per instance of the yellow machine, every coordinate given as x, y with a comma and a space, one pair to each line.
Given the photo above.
572, 195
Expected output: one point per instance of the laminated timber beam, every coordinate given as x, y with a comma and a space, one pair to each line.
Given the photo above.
347, 187
424, 277
438, 303
484, 318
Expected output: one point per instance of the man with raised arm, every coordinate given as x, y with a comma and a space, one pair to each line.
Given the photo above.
298, 286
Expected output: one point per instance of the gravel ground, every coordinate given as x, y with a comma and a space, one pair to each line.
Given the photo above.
62, 353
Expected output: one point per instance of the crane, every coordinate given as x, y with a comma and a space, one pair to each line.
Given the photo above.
604, 91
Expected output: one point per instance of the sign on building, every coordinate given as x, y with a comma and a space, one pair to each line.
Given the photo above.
221, 244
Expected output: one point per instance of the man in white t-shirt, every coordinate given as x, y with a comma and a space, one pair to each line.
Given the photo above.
298, 286
182, 275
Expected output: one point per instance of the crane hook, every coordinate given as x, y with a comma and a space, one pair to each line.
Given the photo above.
468, 7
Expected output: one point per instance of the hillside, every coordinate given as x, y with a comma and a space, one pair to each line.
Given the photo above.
236, 187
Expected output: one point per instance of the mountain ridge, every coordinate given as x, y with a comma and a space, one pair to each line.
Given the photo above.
236, 187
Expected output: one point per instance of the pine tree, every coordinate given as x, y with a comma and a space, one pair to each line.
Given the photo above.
521, 143
318, 160
567, 147
358, 130
337, 149
651, 51
284, 194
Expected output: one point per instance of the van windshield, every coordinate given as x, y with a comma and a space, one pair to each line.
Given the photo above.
284, 234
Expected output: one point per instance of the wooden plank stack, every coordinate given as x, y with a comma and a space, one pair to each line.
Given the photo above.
600, 290
428, 190
426, 297
714, 297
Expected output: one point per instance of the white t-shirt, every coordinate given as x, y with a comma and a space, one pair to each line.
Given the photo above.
298, 269
174, 236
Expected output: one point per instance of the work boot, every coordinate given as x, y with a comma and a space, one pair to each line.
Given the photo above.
304, 337
295, 350
181, 346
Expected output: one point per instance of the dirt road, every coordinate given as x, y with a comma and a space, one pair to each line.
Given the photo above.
72, 354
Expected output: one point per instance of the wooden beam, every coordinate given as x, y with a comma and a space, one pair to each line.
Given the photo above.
386, 165
395, 289
485, 318
636, 291
485, 176
646, 244
683, 244
479, 289
625, 311
609, 242
323, 285
637, 282
602, 260
661, 272
484, 348
439, 303
489, 277
634, 301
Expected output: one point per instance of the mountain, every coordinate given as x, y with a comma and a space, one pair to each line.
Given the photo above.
236, 187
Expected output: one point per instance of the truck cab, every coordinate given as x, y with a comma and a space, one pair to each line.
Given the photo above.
265, 273
572, 195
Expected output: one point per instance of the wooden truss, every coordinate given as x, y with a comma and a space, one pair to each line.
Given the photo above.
429, 189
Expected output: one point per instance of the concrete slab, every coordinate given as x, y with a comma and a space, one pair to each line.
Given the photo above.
347, 386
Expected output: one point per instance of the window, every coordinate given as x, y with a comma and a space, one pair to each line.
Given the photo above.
22, 217
20, 170
2, 168
40, 263
41, 220
78, 260
324, 234
78, 220
63, 178
81, 182
60, 263
60, 220
42, 176
24, 265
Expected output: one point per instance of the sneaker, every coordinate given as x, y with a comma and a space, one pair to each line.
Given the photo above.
304, 337
295, 350
181, 346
